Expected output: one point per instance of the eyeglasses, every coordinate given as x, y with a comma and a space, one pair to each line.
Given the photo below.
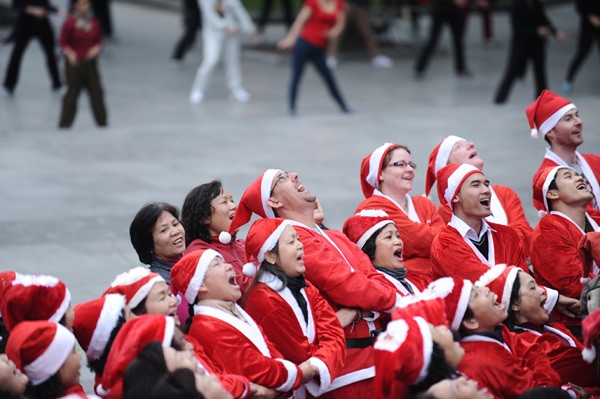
403, 165
282, 177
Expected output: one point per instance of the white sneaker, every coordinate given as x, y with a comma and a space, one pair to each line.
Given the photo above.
196, 96
382, 62
240, 95
331, 62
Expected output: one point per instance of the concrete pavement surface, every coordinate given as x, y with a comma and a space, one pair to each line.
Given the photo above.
67, 197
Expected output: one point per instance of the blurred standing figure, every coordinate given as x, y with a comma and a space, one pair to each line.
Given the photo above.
101, 10
530, 29
265, 12
81, 42
191, 23
222, 21
32, 22
589, 29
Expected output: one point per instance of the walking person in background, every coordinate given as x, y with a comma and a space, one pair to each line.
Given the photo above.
530, 29
589, 29
32, 22
81, 42
317, 22
101, 10
265, 12
191, 23
222, 21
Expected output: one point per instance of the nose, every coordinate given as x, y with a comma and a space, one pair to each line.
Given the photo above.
398, 240
293, 176
233, 205
172, 301
228, 267
470, 145
300, 245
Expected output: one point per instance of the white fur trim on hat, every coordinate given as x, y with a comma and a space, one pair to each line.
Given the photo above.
169, 331
130, 276
224, 237
443, 154
455, 180
143, 291
373, 213
249, 269
198, 278
109, 315
442, 287
374, 163
589, 354
461, 306
265, 190
62, 309
35, 279
393, 337
49, 362
551, 299
552, 121
367, 234
427, 347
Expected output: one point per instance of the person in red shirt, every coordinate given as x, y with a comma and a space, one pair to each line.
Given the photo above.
81, 42
317, 22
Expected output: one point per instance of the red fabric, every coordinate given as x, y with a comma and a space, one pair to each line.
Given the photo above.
507, 374
514, 212
78, 40
236, 385
233, 253
320, 22
592, 159
555, 258
417, 237
589, 252
452, 256
235, 353
281, 326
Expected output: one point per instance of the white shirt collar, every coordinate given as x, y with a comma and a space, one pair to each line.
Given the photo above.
466, 231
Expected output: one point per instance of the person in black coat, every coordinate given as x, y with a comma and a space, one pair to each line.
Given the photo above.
589, 29
530, 29
32, 22
191, 22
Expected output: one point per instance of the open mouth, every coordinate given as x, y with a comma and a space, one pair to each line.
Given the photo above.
582, 186
485, 202
473, 155
398, 254
178, 241
231, 216
232, 281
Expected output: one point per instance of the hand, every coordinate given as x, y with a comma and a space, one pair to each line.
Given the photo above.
543, 31
594, 20
308, 371
346, 316
231, 31
71, 57
260, 392
92, 53
36, 11
561, 36
286, 43
568, 306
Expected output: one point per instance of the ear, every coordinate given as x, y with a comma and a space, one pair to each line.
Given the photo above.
515, 307
202, 289
470, 324
274, 203
271, 257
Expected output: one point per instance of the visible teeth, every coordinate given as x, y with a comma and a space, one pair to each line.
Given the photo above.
300, 187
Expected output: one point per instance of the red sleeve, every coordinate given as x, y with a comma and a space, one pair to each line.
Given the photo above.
511, 250
555, 257
445, 213
66, 31
516, 215
450, 256
327, 270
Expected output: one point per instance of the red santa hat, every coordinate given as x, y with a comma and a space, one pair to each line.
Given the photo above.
35, 297
500, 280
135, 284
187, 275
426, 304
370, 168
438, 159
589, 253
39, 348
541, 182
403, 352
545, 112
590, 327
94, 322
456, 294
263, 237
6, 279
451, 178
360, 227
129, 342
254, 200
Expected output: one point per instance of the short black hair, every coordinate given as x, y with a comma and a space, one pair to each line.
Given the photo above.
144, 372
551, 186
197, 211
49, 389
140, 230
439, 369
511, 319
179, 384
370, 246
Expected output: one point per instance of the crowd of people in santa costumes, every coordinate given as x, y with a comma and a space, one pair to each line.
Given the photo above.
409, 300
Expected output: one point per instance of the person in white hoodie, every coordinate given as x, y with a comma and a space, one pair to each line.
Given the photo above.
222, 21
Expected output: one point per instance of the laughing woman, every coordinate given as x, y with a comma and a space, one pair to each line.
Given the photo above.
291, 311
386, 177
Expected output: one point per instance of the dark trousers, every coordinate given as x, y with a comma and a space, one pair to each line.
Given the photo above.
454, 20
191, 26
303, 52
288, 13
587, 34
27, 28
83, 75
520, 51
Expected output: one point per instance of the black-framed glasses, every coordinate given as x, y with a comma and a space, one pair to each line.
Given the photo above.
403, 165
282, 177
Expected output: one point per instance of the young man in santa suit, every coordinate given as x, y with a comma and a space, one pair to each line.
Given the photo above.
557, 120
555, 240
335, 265
469, 245
505, 204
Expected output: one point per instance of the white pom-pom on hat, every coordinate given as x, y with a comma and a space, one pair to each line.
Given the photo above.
249, 269
535, 134
541, 214
589, 354
584, 280
224, 237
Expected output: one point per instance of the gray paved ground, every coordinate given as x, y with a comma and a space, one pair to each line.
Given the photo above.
67, 197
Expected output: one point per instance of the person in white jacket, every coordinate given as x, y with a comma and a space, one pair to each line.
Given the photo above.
222, 21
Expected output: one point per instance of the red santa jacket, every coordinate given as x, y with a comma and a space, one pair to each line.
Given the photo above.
564, 352
320, 340
417, 236
233, 253
452, 255
590, 166
507, 210
555, 257
508, 368
240, 347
